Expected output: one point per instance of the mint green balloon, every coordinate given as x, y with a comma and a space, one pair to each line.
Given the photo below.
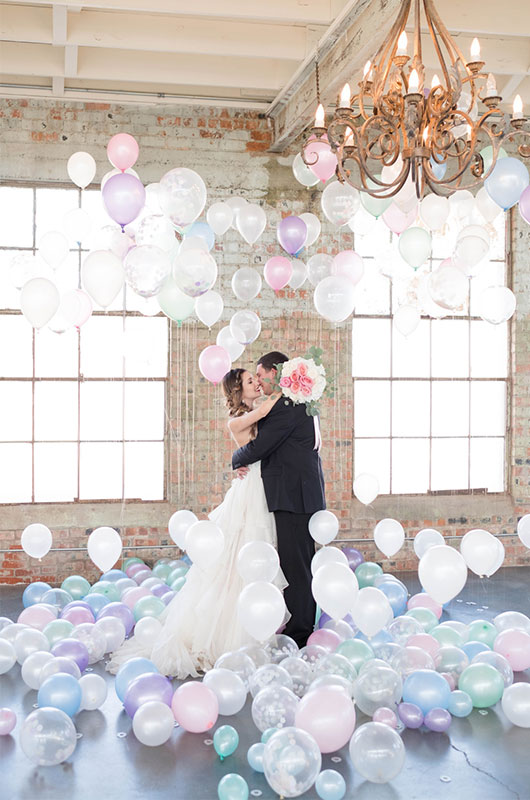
356, 651
367, 572
148, 606
487, 156
480, 630
483, 683
427, 618
375, 205
162, 571
232, 787
177, 572
178, 583
57, 629
106, 588
447, 636
76, 585
174, 303
128, 561
225, 741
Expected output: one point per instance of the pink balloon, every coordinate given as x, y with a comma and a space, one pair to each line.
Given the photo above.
195, 707
122, 151
36, 617
514, 645
83, 311
348, 264
450, 680
131, 596
8, 720
398, 220
326, 638
214, 363
278, 271
133, 569
142, 575
328, 716
524, 205
425, 642
123, 197
386, 716
422, 600
77, 615
325, 160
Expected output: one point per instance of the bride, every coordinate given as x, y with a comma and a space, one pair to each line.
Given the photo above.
201, 622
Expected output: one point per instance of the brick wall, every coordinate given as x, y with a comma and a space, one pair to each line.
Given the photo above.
229, 150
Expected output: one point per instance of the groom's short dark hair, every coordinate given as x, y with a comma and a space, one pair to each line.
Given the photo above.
270, 360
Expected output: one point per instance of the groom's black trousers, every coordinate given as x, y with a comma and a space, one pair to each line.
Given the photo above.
296, 548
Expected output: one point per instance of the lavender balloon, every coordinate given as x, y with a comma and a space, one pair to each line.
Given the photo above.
167, 597
78, 615
121, 612
145, 688
437, 719
75, 604
292, 233
74, 650
159, 590
123, 198
410, 715
354, 557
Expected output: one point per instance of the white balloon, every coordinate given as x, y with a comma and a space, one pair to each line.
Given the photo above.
194, 272
496, 304
245, 326
225, 339
406, 319
487, 207
348, 264
36, 540
312, 224
516, 704
229, 689
479, 549
93, 691
448, 287
113, 629
434, 211
81, 168
22, 268
209, 307
303, 173
29, 641
112, 238
151, 198
39, 300
179, 524
362, 223
261, 609
205, 542
442, 572
193, 243
323, 526
298, 275
76, 307
461, 203
77, 226
371, 610
7, 655
366, 488
389, 536
32, 666
147, 630
327, 555
415, 245
319, 267
250, 222
472, 246
104, 547
425, 539
102, 276
334, 298
497, 564
153, 723
334, 587
258, 561
340, 202
523, 530
246, 283
182, 196
220, 217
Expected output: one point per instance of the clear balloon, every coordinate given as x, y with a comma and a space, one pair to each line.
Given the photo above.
514, 645
104, 547
434, 211
250, 222
194, 272
270, 675
28, 641
472, 246
219, 217
487, 207
516, 704
377, 752
114, 631
334, 298
146, 268
201, 230
303, 173
415, 246
174, 303
246, 283
257, 561
245, 326
313, 227
239, 663
496, 304
48, 737
182, 196
398, 220
36, 540
298, 275
319, 267
378, 685
156, 230
209, 307
39, 300
225, 339
406, 319
151, 198
102, 276
340, 202
81, 168
348, 264
236, 203
32, 666
291, 762
214, 363
76, 307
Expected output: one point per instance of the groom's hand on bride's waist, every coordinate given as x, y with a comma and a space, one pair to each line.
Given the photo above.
242, 472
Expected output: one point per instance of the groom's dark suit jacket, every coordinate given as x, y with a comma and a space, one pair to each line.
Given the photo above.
290, 466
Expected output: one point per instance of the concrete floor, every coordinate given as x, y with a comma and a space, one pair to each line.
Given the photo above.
482, 757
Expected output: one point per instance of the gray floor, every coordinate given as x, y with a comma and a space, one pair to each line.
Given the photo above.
482, 757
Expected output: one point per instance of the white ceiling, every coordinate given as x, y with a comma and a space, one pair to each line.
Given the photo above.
224, 52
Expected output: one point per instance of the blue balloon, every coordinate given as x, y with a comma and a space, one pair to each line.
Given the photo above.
426, 689
330, 785
225, 741
132, 669
507, 182
397, 596
472, 648
255, 756
60, 691
383, 637
96, 602
232, 787
33, 593
203, 230
113, 575
460, 704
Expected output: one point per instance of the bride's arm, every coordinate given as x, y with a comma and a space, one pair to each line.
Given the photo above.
239, 424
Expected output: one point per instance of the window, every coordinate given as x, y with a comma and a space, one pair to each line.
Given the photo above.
83, 411
429, 409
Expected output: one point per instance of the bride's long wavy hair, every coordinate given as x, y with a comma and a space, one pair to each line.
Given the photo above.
233, 391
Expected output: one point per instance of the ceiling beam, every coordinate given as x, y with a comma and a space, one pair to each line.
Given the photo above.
70, 60
59, 22
486, 17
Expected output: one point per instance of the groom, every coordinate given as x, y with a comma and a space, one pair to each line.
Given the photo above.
287, 446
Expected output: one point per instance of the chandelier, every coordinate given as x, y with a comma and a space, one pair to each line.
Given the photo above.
396, 130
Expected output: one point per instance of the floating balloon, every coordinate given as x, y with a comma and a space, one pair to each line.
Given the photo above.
479, 549
320, 158
348, 264
146, 268
246, 283
291, 233
334, 298
81, 168
245, 326
200, 230
524, 204
376, 205
182, 196
53, 248
425, 539
442, 572
174, 303
102, 276
209, 307
323, 526
123, 197
36, 540
277, 272
261, 609
371, 610
205, 542
389, 536
327, 555
434, 211
366, 488
406, 319
415, 246
258, 561
214, 363
496, 304
298, 274
303, 173
156, 230
39, 300
194, 272
334, 587
251, 221
319, 267
313, 227
76, 307
448, 286
472, 246
507, 182
340, 202
219, 217
398, 220
104, 547
461, 204
236, 203
225, 339
122, 151
487, 207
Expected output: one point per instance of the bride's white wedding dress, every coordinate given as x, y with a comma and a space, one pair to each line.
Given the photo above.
201, 621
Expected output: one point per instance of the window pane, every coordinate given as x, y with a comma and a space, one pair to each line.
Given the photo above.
144, 410
450, 348
55, 473
450, 408
9, 294
411, 354
410, 408
56, 411
372, 294
449, 465
15, 473
371, 348
100, 474
144, 470
92, 203
487, 464
102, 347
146, 347
373, 456
52, 205
498, 239
378, 237
410, 466
489, 350
56, 356
16, 349
102, 410
491, 274
66, 276
372, 408
488, 408
16, 405
16, 209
